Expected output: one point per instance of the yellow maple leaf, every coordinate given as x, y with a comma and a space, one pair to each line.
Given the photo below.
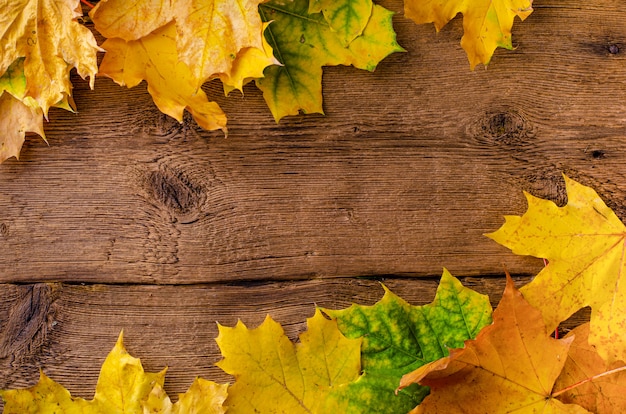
212, 32
123, 387
584, 244
510, 367
274, 375
16, 119
154, 58
486, 23
43, 397
249, 65
131, 19
203, 397
46, 34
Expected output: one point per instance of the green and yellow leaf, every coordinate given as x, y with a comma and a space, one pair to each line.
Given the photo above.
304, 43
347, 18
510, 367
399, 338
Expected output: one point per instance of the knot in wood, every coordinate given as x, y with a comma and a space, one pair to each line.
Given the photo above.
506, 127
177, 192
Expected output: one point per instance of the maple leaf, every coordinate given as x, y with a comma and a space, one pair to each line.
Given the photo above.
173, 88
305, 42
42, 398
46, 34
249, 65
584, 244
606, 394
211, 33
486, 23
131, 19
347, 18
203, 396
123, 387
511, 366
274, 375
398, 338
16, 117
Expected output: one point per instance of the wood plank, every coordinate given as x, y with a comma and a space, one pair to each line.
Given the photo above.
67, 330
412, 164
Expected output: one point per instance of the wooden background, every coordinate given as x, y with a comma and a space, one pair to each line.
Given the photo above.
129, 220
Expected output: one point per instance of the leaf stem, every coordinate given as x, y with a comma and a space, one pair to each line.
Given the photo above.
586, 380
88, 4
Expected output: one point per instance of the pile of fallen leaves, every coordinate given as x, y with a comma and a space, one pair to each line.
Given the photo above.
452, 355
176, 47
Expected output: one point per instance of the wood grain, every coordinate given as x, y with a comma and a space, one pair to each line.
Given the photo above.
411, 165
71, 328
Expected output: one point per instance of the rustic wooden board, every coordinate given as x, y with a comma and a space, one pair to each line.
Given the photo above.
413, 163
69, 329
161, 228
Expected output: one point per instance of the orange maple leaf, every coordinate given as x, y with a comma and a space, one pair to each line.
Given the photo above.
584, 379
511, 366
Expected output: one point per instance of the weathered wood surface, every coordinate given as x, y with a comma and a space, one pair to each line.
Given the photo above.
172, 228
69, 329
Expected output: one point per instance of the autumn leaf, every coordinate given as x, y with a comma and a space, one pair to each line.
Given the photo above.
203, 397
43, 397
602, 395
249, 65
46, 34
584, 244
15, 120
347, 18
304, 43
274, 375
131, 19
398, 338
123, 387
173, 88
211, 33
511, 366
486, 23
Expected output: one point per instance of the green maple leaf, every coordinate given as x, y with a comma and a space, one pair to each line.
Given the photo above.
305, 42
398, 338
347, 18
